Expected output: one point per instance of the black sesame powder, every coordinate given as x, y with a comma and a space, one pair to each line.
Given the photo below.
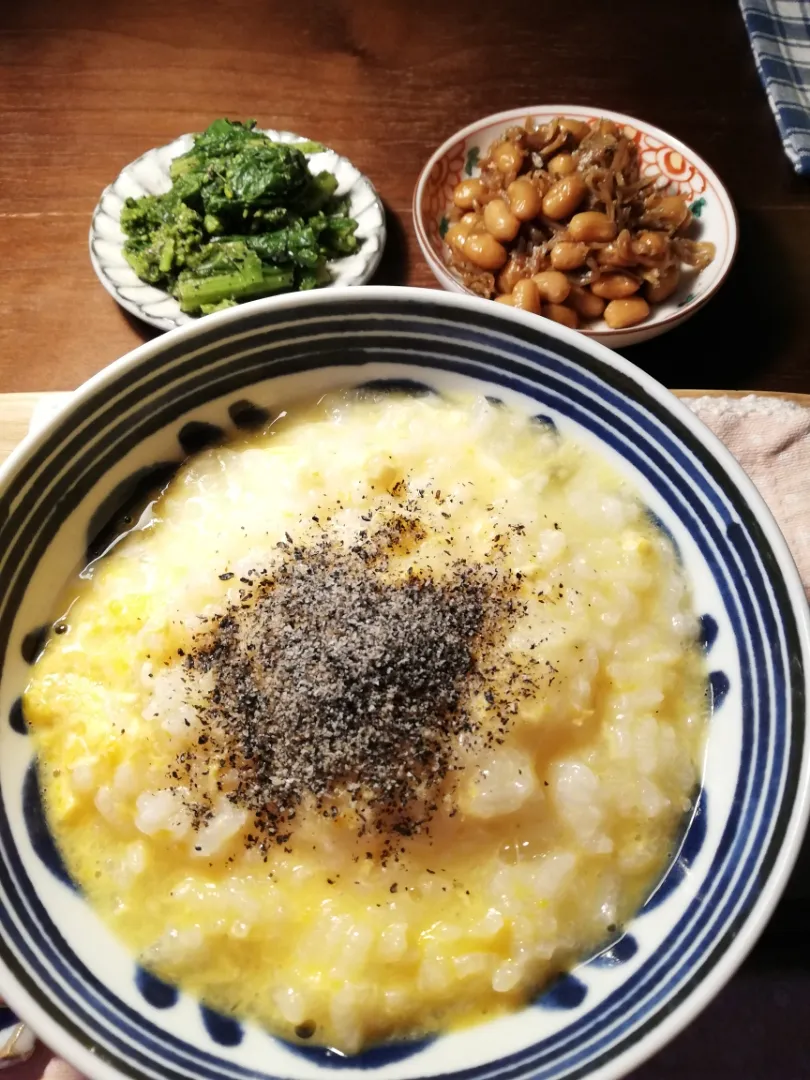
347, 683
336, 683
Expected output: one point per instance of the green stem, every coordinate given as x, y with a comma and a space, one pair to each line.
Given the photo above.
194, 292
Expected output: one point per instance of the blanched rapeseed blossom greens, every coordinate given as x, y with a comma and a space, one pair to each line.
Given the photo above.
244, 218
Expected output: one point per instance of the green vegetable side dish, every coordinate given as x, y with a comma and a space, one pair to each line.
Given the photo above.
244, 218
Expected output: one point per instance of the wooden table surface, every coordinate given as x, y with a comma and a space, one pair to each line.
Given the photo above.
86, 87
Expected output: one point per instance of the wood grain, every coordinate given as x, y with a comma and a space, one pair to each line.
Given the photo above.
86, 87
16, 411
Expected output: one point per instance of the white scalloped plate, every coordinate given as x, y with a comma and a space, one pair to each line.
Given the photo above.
149, 175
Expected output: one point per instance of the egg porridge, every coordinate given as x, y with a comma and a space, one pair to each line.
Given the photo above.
380, 717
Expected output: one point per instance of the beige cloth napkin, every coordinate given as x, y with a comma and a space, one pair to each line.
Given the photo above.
770, 437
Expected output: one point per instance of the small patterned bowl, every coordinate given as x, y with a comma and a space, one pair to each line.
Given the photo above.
149, 175
677, 169
61, 968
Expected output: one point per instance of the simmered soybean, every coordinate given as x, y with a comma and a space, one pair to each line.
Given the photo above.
560, 220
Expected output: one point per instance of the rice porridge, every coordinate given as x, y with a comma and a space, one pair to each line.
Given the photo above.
378, 719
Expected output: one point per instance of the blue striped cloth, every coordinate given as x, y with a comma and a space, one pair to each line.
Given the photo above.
780, 37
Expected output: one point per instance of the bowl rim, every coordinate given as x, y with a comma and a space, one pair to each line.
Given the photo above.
450, 284
160, 322
698, 997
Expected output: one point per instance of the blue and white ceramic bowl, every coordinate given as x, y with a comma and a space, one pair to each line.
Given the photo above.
79, 988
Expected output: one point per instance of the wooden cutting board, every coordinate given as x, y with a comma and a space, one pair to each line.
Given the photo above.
16, 410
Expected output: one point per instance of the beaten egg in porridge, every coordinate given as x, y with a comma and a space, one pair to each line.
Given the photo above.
379, 719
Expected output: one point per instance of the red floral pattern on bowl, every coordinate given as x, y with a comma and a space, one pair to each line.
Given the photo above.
675, 167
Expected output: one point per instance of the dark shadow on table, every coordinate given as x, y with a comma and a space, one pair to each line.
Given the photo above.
757, 1027
755, 1030
731, 343
393, 268
146, 332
